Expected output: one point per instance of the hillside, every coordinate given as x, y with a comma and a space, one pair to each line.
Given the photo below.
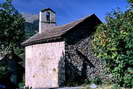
31, 24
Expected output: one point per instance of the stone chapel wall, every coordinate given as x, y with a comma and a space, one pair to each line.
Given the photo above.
42, 65
80, 61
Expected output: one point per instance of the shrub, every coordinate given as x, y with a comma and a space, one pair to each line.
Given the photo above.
115, 86
97, 80
113, 42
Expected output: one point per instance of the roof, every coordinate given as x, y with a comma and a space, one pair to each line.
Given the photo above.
54, 33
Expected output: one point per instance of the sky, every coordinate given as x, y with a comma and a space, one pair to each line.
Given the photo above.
70, 10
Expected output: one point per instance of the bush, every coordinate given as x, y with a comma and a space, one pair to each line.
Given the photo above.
97, 81
115, 86
21, 85
113, 42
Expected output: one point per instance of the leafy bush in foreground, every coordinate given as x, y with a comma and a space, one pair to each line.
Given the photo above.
113, 42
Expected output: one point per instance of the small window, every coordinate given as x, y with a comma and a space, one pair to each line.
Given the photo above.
48, 16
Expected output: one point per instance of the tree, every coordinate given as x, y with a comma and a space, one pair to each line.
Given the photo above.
113, 42
11, 27
130, 1
11, 35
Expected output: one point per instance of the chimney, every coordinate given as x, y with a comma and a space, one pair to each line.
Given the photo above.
47, 19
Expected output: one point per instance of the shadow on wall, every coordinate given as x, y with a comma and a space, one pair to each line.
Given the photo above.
74, 76
70, 75
61, 72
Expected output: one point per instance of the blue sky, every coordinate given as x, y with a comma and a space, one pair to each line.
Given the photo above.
70, 10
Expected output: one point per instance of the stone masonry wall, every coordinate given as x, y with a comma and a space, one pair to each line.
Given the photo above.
80, 61
42, 65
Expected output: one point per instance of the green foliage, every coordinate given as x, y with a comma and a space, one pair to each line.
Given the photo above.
131, 2
115, 86
3, 71
87, 81
11, 32
113, 42
21, 85
11, 26
97, 81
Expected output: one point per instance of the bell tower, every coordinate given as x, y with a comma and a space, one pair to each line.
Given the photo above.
47, 19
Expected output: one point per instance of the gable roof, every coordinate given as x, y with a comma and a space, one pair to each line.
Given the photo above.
55, 32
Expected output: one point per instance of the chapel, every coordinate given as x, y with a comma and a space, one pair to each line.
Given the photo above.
59, 55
